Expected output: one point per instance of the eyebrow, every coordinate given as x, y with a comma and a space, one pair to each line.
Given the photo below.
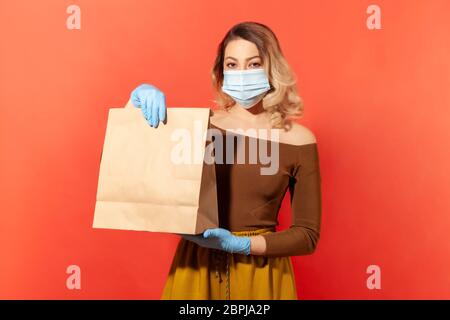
232, 58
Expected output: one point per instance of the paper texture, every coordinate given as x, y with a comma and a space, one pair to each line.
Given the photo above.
141, 188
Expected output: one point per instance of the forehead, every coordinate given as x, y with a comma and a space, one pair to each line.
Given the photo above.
241, 49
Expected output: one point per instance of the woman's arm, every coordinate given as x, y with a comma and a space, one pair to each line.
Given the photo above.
302, 236
257, 245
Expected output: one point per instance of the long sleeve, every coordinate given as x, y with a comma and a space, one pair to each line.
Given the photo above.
306, 204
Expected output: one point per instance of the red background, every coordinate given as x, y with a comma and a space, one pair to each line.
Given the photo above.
377, 100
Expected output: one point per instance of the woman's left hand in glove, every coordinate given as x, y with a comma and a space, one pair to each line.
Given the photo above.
222, 239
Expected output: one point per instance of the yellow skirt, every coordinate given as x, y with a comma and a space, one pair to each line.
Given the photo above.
199, 273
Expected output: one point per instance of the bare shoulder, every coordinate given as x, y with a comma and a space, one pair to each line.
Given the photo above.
298, 135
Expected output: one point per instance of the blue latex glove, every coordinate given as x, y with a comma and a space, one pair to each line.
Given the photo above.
222, 239
152, 102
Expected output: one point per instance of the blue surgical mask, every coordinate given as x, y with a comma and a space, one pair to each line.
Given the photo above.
246, 87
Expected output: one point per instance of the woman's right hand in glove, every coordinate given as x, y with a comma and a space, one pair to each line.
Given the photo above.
152, 102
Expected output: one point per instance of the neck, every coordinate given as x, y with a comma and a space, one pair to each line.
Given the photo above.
257, 113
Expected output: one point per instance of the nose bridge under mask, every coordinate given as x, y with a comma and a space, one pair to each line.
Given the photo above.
245, 78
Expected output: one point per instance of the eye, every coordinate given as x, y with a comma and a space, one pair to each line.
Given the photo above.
256, 64
231, 63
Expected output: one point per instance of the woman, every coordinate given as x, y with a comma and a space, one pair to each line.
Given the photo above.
246, 258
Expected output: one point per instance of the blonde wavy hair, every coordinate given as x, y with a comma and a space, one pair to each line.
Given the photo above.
282, 100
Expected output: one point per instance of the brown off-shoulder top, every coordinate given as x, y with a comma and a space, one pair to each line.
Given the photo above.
250, 200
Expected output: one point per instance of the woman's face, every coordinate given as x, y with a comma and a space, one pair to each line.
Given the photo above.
241, 54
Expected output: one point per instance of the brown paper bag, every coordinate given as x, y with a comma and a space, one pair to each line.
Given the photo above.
141, 187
